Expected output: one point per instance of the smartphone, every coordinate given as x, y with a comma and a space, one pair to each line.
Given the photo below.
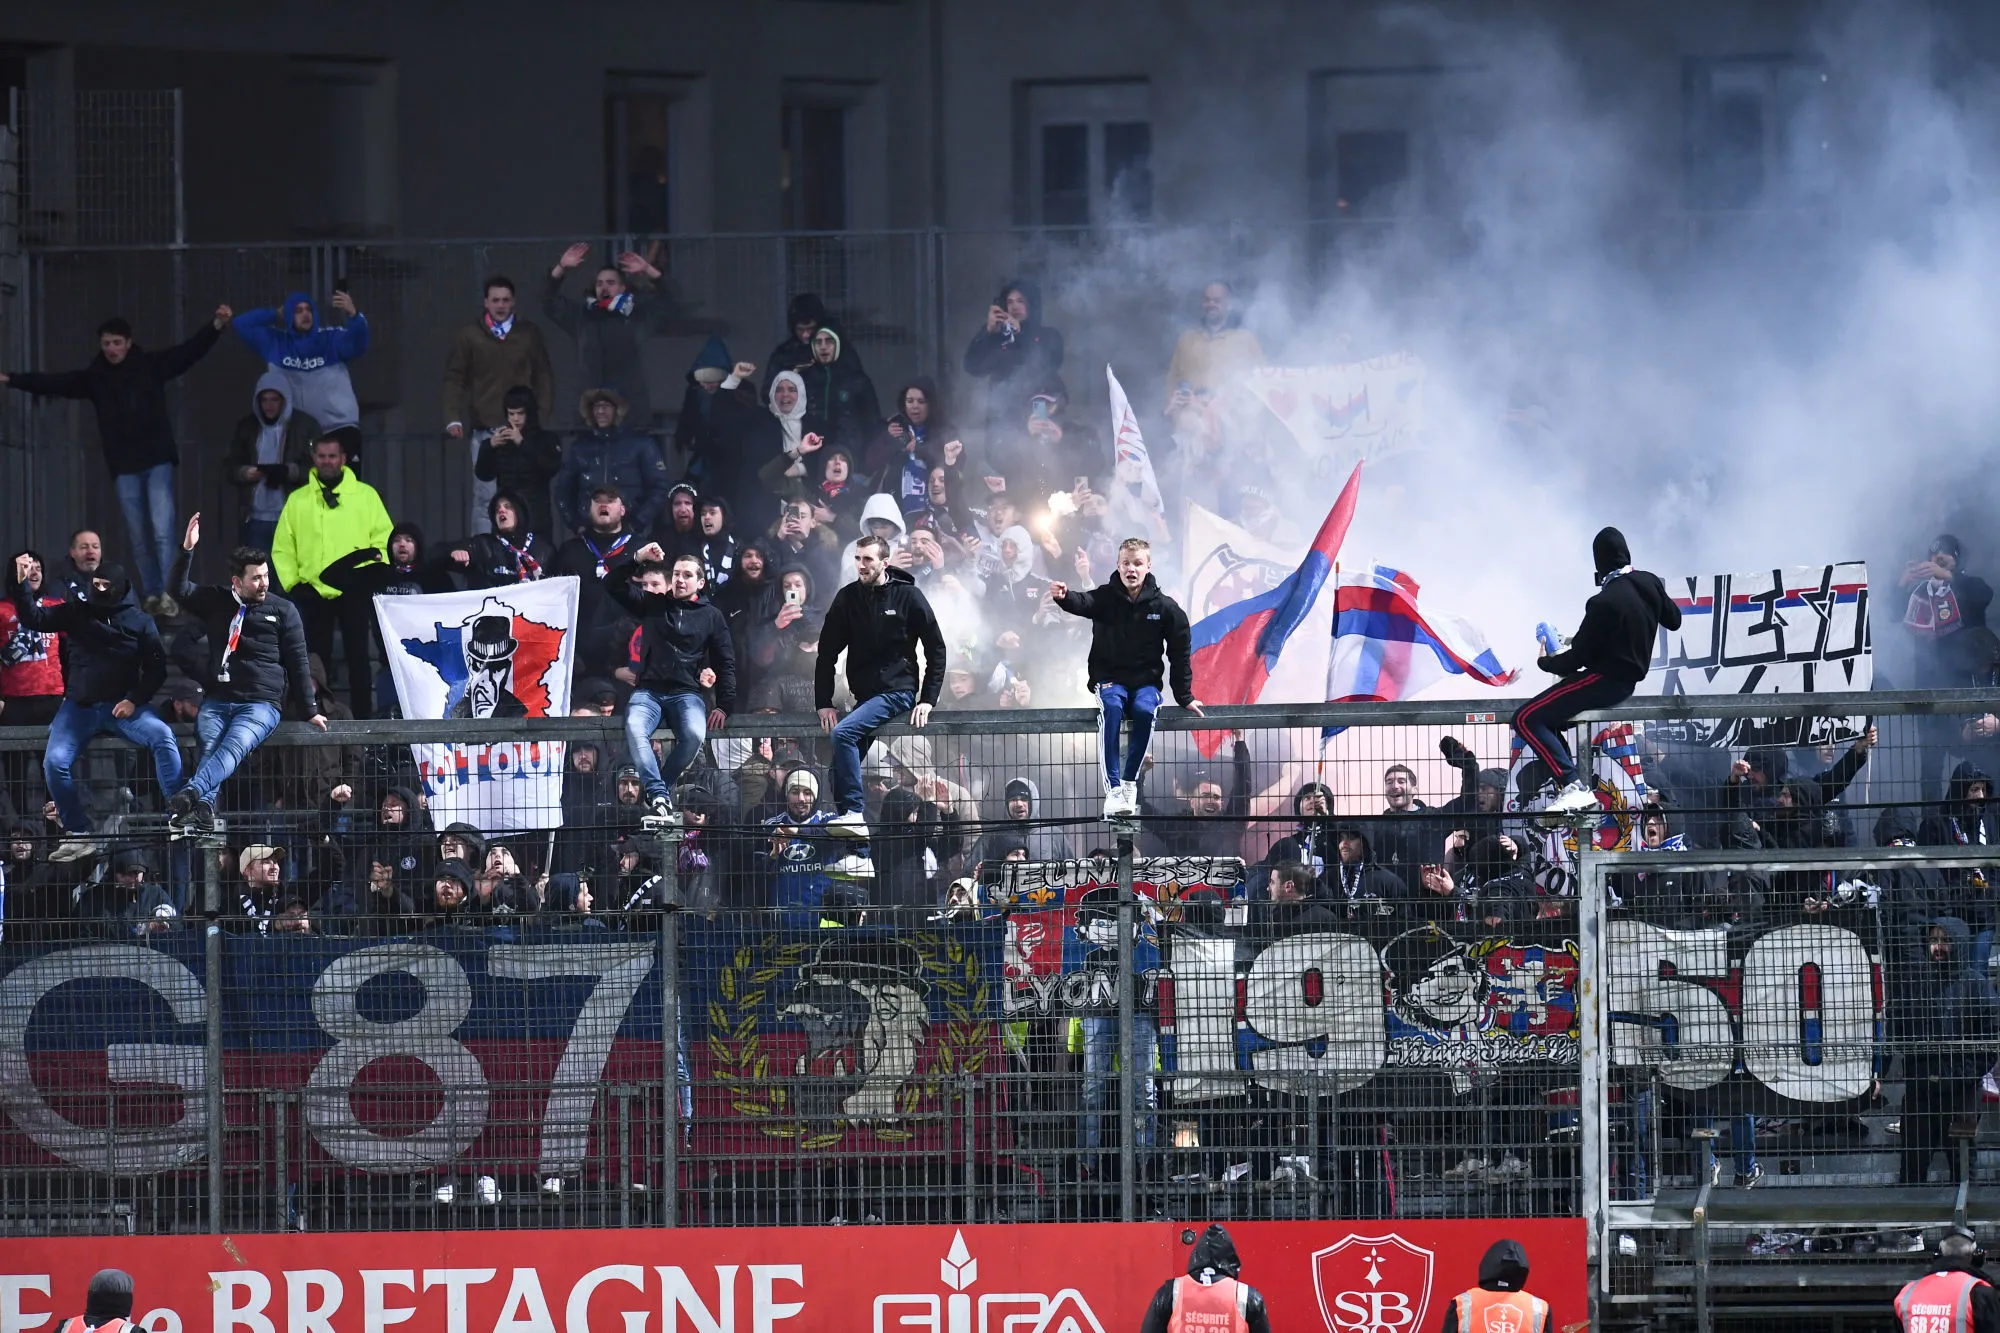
795, 596
1080, 483
340, 286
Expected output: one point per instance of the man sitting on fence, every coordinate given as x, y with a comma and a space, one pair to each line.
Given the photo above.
256, 651
116, 665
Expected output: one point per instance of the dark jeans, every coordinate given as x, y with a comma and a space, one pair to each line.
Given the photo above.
354, 616
1541, 720
1930, 1104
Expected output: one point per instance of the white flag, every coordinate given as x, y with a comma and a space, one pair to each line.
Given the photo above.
489, 652
1135, 502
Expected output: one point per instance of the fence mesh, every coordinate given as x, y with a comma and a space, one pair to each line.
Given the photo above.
757, 1021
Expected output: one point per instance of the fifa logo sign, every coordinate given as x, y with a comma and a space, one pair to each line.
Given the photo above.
1376, 1284
957, 1310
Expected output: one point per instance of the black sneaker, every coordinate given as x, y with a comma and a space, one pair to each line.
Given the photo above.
200, 817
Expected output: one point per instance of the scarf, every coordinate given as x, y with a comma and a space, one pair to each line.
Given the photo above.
235, 637
1933, 610
526, 568
620, 304
498, 328
791, 423
605, 557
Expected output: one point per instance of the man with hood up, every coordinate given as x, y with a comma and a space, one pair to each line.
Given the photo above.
681, 534
1501, 1299
841, 404
522, 455
1023, 797
312, 358
1019, 354
107, 1305
270, 456
117, 663
698, 436
1955, 1295
806, 316
610, 455
1945, 1017
880, 517
511, 553
1609, 655
1211, 1298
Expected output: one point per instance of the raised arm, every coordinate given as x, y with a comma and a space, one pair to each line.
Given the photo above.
180, 358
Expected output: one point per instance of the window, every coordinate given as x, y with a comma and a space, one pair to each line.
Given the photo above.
1084, 153
812, 175
1383, 141
656, 153
638, 162
1751, 120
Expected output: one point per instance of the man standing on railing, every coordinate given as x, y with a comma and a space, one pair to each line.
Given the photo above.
256, 651
116, 665
878, 621
1610, 654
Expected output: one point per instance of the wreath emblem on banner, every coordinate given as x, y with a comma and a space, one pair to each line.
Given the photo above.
863, 1003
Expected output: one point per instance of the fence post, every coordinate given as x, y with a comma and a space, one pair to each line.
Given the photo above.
1593, 1106
670, 1040
212, 1085
1128, 1154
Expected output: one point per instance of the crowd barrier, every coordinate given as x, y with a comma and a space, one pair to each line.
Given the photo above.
1715, 1055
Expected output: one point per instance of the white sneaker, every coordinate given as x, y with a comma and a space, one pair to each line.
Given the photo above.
76, 847
1511, 1168
851, 868
1576, 798
1114, 803
1129, 793
552, 1185
853, 824
447, 1193
486, 1189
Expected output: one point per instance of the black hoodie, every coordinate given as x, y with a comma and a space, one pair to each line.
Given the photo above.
1212, 1259
1505, 1268
1129, 635
1021, 362
1621, 622
879, 626
499, 562
112, 650
526, 468
133, 423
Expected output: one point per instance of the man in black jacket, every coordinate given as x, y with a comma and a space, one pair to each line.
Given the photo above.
605, 541
510, 553
878, 621
680, 638
1611, 653
1210, 1296
1132, 624
127, 385
1945, 1016
256, 651
117, 663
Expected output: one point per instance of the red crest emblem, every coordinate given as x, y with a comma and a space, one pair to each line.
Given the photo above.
1373, 1284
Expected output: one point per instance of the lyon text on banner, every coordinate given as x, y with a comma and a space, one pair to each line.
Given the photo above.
489, 653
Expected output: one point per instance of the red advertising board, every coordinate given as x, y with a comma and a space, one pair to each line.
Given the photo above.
1342, 1277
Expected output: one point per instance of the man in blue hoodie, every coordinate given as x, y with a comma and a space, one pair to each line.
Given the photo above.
313, 357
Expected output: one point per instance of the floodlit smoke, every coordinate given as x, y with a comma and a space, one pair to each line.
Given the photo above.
1806, 376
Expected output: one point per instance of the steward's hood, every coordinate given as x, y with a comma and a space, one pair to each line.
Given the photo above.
885, 507
1214, 1256
272, 381
1505, 1267
109, 1297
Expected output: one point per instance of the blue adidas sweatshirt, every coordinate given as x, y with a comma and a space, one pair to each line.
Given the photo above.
314, 363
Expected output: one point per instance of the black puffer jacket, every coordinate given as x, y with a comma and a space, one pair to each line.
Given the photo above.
112, 649
526, 468
1213, 1259
1129, 635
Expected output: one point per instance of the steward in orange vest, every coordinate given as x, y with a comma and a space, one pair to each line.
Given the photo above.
108, 1306
1955, 1296
1498, 1304
1209, 1299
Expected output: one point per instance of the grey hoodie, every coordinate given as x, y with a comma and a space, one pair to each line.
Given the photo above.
1044, 844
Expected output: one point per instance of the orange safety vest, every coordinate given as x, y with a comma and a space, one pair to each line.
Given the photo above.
1937, 1303
1215, 1307
1483, 1311
76, 1325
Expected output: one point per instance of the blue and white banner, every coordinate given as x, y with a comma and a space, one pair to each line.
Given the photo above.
492, 652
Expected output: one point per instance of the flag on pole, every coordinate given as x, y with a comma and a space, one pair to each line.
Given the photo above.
1236, 647
1386, 648
1135, 502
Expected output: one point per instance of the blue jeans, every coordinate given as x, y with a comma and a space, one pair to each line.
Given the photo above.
1100, 1053
228, 732
687, 716
72, 728
148, 501
850, 742
1115, 705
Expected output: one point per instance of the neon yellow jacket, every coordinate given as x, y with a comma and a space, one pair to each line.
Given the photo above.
312, 536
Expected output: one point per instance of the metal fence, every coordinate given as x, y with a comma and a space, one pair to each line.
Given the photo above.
291, 1026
